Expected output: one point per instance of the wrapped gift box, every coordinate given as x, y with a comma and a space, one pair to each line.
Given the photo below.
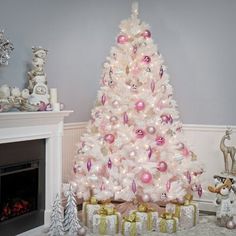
148, 217
89, 209
106, 221
188, 213
131, 226
167, 223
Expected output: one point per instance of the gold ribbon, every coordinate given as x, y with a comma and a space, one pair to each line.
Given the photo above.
145, 208
187, 202
91, 201
105, 211
163, 223
133, 219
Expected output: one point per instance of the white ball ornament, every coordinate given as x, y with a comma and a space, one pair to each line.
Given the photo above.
230, 224
146, 198
151, 129
82, 231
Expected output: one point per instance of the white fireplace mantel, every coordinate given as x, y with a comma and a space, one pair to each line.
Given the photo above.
23, 126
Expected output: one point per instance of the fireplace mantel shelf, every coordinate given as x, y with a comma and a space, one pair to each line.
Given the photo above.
16, 119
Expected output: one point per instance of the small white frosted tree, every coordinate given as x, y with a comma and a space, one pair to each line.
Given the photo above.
71, 220
56, 227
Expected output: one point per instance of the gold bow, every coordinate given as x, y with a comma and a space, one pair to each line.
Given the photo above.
163, 224
132, 218
104, 210
144, 208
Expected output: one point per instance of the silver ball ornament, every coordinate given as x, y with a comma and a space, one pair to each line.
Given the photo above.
82, 231
146, 198
151, 130
230, 224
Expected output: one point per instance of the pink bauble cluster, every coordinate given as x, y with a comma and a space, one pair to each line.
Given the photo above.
140, 133
160, 140
146, 34
121, 39
162, 166
166, 119
139, 105
109, 138
146, 177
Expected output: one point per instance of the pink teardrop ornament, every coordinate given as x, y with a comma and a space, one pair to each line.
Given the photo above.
189, 178
153, 85
89, 165
161, 72
103, 99
109, 163
149, 152
134, 187
125, 118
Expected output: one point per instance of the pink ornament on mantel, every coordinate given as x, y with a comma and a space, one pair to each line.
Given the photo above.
146, 177
146, 34
110, 138
162, 166
134, 187
160, 140
121, 39
140, 133
140, 105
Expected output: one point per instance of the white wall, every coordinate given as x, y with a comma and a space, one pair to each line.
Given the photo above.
197, 40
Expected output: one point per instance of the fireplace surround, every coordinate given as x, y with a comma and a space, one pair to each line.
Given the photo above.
18, 127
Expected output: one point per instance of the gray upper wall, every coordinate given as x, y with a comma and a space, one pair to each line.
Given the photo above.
196, 38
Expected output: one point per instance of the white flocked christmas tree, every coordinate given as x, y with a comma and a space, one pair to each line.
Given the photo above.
134, 146
71, 221
56, 227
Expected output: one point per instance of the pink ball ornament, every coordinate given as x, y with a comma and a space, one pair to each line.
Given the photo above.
146, 34
121, 39
185, 152
230, 224
160, 140
110, 138
146, 59
146, 177
162, 166
139, 105
166, 119
140, 133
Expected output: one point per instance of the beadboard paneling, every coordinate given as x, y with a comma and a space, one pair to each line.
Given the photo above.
204, 140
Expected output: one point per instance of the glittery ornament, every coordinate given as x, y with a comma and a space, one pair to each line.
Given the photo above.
113, 119
146, 197
199, 190
161, 72
146, 34
160, 140
89, 165
109, 163
139, 105
151, 129
146, 177
121, 39
140, 133
146, 59
153, 85
162, 166
103, 99
125, 118
149, 152
134, 187
110, 138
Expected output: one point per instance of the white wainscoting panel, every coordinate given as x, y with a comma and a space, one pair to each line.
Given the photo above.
204, 140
